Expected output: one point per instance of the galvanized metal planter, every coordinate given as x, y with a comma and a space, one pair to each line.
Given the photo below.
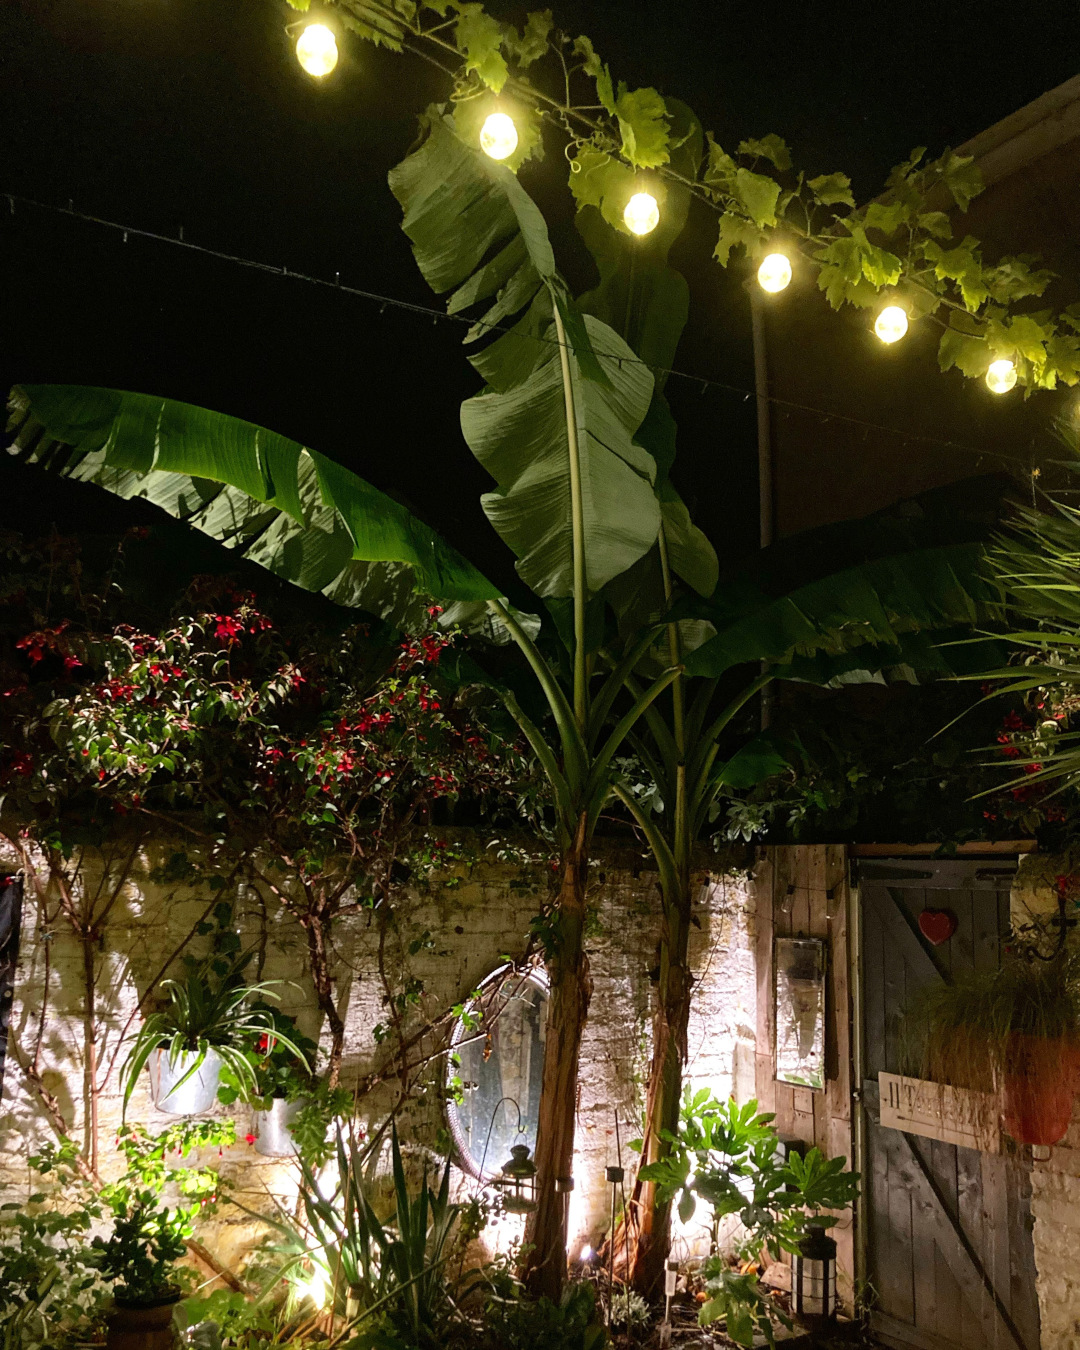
273, 1137
191, 1098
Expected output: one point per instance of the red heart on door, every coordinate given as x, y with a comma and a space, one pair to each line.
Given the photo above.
937, 925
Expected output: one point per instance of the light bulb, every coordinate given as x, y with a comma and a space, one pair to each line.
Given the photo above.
774, 274
498, 136
587, 1254
315, 1287
642, 215
891, 324
1001, 377
316, 50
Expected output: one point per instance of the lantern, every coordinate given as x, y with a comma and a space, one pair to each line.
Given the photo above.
498, 136
316, 50
774, 274
1001, 377
517, 1181
813, 1275
642, 214
891, 324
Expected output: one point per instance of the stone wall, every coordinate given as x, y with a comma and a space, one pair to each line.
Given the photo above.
450, 936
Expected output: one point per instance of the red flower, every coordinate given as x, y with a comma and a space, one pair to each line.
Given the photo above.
227, 627
249, 1138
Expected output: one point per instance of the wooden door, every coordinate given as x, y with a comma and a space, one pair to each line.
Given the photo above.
948, 1238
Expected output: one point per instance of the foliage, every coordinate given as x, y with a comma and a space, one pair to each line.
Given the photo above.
140, 1253
512, 1322
279, 1059
903, 245
205, 1013
730, 1157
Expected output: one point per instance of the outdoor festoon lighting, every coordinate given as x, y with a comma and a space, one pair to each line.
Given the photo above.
642, 214
517, 1181
813, 1275
774, 274
891, 324
1001, 377
498, 136
316, 50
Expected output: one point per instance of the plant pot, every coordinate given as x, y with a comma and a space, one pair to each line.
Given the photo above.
273, 1137
142, 1326
1040, 1087
190, 1098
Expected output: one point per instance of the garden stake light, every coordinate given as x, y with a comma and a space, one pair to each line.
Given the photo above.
671, 1276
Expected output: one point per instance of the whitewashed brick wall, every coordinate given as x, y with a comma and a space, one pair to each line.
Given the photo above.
482, 915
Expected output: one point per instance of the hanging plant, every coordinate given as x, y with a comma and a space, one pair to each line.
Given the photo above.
1013, 1032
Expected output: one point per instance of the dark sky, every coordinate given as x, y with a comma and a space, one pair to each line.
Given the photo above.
162, 113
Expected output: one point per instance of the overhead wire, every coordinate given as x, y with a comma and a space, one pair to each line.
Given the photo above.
437, 315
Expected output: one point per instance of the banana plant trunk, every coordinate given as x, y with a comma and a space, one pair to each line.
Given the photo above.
570, 991
648, 1237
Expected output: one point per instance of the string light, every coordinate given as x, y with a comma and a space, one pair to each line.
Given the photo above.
891, 324
1001, 377
498, 136
316, 50
774, 274
642, 214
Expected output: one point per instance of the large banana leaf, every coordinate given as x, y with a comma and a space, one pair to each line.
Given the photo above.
281, 505
875, 605
477, 233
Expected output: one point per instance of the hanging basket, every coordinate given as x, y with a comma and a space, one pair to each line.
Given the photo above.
184, 1096
1040, 1084
272, 1128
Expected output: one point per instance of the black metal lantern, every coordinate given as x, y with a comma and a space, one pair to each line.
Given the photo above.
813, 1276
517, 1181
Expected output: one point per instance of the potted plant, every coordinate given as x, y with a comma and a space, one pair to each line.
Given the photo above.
138, 1258
207, 1024
1013, 1032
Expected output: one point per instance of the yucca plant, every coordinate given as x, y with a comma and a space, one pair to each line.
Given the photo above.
204, 1014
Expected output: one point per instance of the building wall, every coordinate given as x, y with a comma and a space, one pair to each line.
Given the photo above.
463, 925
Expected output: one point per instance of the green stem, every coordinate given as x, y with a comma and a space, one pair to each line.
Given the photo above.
577, 520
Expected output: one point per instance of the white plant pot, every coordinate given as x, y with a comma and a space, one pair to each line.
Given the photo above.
273, 1137
191, 1098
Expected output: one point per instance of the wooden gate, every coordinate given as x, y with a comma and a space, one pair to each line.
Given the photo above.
948, 1240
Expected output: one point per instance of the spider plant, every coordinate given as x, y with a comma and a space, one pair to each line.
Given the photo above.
203, 1015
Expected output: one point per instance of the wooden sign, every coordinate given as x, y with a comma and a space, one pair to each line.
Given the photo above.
953, 1115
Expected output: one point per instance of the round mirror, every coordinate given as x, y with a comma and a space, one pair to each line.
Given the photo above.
499, 1043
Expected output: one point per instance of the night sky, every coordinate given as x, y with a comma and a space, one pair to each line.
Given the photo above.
194, 113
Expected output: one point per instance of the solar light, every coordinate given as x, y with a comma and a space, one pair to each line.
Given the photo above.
891, 324
517, 1181
316, 50
813, 1275
774, 274
498, 136
1001, 377
642, 214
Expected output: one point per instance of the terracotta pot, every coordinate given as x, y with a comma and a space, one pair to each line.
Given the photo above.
1040, 1087
142, 1326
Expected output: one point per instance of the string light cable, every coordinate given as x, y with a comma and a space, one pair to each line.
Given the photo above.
704, 383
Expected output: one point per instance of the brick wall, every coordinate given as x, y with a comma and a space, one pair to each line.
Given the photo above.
474, 915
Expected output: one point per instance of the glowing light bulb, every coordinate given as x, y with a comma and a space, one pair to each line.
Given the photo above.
891, 324
498, 136
774, 274
642, 214
316, 50
1001, 377
587, 1254
315, 1287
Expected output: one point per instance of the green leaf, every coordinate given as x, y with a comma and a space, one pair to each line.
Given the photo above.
599, 179
757, 195
470, 115
687, 1205
769, 147
735, 232
969, 352
692, 557
517, 430
961, 176
832, 189
479, 37
276, 502
590, 62
962, 264
886, 218
643, 125
533, 42
936, 223
752, 764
